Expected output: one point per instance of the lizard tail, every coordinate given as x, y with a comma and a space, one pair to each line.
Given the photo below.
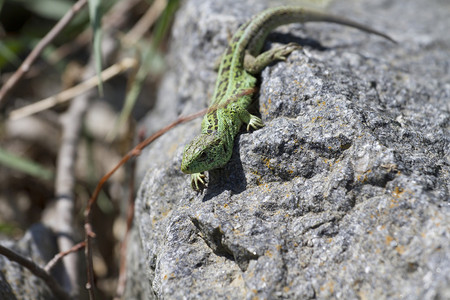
312, 16
257, 30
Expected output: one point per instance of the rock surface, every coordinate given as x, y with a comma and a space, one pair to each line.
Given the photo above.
343, 194
17, 282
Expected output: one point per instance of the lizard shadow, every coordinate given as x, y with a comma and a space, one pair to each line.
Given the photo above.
286, 38
229, 178
232, 176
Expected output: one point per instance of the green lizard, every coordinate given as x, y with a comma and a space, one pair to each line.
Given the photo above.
236, 83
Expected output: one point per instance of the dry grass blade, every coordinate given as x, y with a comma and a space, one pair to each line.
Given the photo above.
144, 23
38, 49
70, 93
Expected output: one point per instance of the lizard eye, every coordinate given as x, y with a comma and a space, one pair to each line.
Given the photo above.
203, 156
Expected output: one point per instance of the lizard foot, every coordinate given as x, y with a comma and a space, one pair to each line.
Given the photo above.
255, 123
282, 52
198, 182
254, 65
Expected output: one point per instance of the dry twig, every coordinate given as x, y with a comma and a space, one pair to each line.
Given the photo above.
36, 270
60, 255
144, 23
134, 152
72, 92
25, 66
121, 282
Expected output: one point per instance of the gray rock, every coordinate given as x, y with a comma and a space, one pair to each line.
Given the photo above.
17, 282
343, 194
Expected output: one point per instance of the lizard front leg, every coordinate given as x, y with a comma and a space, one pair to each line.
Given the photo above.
254, 65
247, 118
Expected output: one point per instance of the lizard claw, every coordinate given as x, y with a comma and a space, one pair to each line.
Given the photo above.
254, 123
198, 182
282, 52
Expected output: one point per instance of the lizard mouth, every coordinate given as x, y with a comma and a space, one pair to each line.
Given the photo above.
185, 169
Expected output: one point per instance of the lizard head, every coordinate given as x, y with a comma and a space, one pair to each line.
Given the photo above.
207, 151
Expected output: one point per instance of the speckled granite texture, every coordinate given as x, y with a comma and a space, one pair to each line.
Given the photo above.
343, 194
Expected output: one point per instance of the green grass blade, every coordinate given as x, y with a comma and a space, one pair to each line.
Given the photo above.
7, 55
50, 9
24, 165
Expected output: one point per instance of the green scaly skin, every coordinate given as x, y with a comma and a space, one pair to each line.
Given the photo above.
236, 84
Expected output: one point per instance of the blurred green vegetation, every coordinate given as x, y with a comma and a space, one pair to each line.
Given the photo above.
28, 164
24, 165
25, 22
